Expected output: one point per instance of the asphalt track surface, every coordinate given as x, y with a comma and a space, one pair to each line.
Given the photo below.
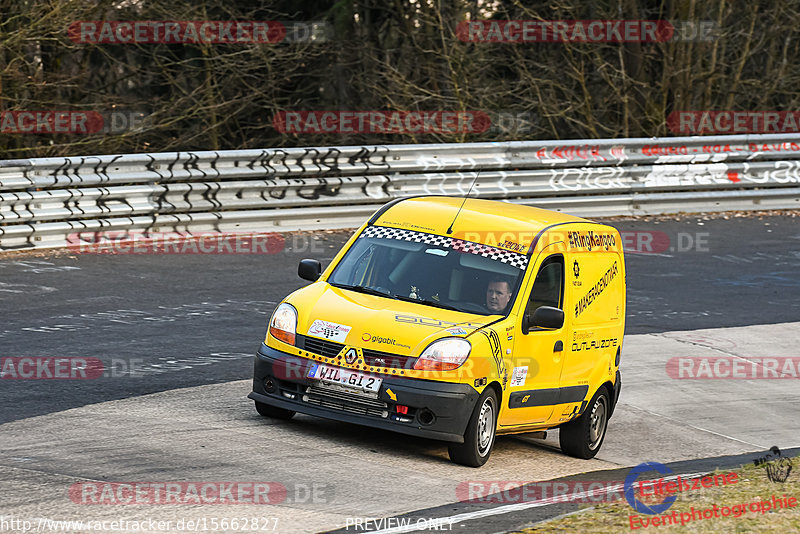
164, 322
161, 322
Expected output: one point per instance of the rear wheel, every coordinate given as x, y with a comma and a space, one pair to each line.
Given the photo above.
480, 434
583, 437
273, 411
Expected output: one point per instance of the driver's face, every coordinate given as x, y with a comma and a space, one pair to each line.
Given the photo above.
497, 296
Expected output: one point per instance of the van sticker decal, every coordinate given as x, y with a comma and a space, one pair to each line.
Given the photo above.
591, 240
366, 337
576, 270
494, 344
514, 259
425, 321
566, 415
457, 331
328, 330
596, 290
409, 225
594, 344
518, 376
513, 245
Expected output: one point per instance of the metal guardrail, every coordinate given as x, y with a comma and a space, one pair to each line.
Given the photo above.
45, 200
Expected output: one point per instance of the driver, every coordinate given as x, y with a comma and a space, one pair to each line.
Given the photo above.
498, 295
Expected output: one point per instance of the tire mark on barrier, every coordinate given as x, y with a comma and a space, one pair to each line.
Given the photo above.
172, 164
159, 198
102, 170
364, 155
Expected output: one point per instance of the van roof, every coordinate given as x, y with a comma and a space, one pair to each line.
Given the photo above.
434, 214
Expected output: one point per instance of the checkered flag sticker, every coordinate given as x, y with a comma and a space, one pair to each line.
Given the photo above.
515, 259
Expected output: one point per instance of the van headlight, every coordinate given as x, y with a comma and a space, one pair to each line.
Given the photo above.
444, 354
284, 323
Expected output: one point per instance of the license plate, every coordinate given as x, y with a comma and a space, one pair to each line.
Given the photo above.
345, 377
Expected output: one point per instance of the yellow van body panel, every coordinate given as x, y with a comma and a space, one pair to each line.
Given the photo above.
543, 377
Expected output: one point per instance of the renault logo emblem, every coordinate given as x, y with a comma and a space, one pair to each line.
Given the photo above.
351, 356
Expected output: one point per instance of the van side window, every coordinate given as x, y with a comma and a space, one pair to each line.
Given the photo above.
548, 288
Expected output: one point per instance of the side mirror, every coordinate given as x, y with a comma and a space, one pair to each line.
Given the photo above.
309, 270
548, 317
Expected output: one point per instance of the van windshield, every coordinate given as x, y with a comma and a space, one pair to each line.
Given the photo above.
433, 270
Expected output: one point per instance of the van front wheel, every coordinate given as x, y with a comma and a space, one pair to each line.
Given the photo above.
480, 434
582, 437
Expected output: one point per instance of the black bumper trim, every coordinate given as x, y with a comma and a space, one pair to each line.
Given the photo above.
451, 403
547, 397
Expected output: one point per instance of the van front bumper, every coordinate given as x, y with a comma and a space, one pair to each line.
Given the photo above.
437, 410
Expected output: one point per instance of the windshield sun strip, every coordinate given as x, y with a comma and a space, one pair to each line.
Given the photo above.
514, 259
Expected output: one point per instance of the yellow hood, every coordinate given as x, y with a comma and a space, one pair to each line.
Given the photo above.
377, 323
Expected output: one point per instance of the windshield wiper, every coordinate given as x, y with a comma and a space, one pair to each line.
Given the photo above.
433, 303
363, 289
372, 291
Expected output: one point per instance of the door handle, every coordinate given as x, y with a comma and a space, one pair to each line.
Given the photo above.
559, 346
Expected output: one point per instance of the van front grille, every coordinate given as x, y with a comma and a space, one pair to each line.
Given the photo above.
329, 349
377, 358
337, 399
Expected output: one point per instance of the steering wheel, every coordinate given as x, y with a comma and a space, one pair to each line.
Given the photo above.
471, 306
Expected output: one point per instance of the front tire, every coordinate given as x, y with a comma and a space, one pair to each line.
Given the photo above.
273, 411
480, 434
583, 437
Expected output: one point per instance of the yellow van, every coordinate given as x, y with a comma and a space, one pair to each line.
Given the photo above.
456, 319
